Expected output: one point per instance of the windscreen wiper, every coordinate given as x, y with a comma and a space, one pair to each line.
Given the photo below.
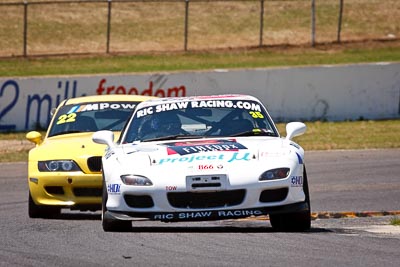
174, 136
255, 132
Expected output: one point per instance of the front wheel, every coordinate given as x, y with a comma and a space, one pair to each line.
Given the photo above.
110, 224
295, 221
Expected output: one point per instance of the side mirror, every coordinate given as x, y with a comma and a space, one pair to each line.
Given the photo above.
104, 137
294, 129
34, 137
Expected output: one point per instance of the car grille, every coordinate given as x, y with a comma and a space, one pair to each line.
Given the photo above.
94, 164
189, 200
274, 195
87, 192
139, 201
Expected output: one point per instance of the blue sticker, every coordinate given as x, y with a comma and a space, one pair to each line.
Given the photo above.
114, 188
296, 181
299, 158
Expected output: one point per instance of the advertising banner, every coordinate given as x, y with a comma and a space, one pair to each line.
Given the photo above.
349, 92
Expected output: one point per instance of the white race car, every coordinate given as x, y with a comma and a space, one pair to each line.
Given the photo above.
204, 158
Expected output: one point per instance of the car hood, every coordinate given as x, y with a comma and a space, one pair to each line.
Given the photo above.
68, 146
225, 151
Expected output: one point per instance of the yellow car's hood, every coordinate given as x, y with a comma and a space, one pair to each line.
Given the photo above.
76, 146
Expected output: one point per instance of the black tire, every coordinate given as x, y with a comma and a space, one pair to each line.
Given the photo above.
109, 224
40, 211
295, 221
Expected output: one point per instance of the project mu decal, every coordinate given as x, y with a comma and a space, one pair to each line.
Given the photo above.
185, 148
225, 157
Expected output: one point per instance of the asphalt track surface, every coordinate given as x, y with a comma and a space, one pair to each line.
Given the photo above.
357, 187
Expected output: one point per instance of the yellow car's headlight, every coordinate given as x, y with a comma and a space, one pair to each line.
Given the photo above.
58, 166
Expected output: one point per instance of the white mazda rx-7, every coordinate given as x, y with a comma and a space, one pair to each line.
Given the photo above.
204, 158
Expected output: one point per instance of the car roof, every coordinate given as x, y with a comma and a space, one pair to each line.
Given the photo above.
162, 100
102, 98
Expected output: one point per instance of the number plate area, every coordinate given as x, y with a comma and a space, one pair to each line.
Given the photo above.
212, 182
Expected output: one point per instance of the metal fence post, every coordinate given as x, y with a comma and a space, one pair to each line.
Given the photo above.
340, 20
108, 26
312, 23
25, 27
261, 22
186, 24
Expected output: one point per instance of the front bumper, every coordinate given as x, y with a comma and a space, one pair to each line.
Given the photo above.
206, 215
70, 190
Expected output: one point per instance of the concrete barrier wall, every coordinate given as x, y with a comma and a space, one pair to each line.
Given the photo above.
346, 92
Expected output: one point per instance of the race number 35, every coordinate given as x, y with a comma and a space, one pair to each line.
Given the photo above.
256, 114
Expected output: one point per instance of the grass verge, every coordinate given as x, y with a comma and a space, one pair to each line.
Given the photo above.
395, 221
388, 51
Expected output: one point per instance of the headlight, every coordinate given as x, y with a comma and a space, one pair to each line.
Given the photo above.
274, 174
58, 166
132, 179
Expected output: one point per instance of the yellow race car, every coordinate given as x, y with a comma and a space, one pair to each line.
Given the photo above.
64, 168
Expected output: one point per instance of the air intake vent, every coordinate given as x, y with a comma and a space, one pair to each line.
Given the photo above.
55, 190
274, 195
139, 201
94, 164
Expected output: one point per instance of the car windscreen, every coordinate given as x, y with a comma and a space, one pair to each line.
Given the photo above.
91, 117
196, 119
